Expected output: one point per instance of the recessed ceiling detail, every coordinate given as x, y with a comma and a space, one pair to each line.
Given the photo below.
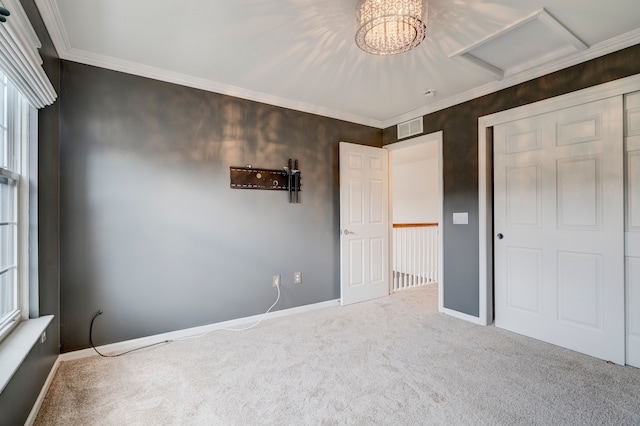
535, 40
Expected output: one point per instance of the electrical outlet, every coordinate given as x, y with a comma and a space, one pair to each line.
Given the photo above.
276, 280
43, 337
297, 277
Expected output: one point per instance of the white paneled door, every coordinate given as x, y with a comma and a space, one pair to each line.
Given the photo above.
632, 226
364, 223
559, 228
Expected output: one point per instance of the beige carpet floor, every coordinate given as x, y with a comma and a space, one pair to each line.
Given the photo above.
391, 361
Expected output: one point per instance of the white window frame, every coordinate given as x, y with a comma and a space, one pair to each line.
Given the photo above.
17, 170
20, 61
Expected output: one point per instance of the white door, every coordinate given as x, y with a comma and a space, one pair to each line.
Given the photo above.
364, 223
632, 234
559, 228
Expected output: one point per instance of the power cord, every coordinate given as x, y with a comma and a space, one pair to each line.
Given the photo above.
117, 355
253, 325
264, 316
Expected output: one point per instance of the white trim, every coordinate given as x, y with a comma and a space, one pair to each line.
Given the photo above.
32, 242
573, 44
590, 94
485, 266
460, 315
193, 332
43, 393
497, 73
16, 346
20, 59
21, 134
51, 16
602, 91
561, 30
50, 13
438, 137
389, 214
160, 74
609, 46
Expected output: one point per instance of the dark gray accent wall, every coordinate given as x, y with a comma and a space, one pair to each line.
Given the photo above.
20, 394
152, 233
460, 155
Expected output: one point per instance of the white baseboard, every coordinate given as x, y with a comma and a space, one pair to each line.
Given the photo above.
192, 332
43, 392
174, 335
462, 316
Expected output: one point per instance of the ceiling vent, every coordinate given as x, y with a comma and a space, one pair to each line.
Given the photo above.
410, 128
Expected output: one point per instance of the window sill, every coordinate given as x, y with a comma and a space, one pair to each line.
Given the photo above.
15, 347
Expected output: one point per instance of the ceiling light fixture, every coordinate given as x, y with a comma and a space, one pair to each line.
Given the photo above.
387, 27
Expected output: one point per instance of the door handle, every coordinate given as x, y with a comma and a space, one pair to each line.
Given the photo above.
347, 232
500, 236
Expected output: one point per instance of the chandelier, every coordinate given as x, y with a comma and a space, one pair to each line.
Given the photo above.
387, 27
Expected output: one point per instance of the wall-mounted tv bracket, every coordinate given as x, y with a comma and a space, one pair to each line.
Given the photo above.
294, 180
287, 179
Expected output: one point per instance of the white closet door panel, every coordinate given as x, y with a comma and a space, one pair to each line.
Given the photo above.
558, 218
632, 227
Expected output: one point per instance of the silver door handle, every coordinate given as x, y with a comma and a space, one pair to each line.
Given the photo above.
347, 232
500, 236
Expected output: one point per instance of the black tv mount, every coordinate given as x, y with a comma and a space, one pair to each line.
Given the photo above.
287, 179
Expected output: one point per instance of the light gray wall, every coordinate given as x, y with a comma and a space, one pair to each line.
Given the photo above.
151, 232
459, 125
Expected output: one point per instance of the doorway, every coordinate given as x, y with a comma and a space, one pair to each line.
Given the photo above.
415, 169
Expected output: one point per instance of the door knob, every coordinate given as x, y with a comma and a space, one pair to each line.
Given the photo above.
346, 232
500, 236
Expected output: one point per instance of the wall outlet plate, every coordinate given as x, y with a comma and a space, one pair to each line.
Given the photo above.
276, 280
297, 277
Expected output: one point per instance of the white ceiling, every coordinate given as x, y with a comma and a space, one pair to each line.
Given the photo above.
301, 54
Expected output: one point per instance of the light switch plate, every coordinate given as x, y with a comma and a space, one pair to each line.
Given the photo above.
461, 218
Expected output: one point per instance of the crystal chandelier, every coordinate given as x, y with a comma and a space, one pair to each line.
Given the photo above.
387, 27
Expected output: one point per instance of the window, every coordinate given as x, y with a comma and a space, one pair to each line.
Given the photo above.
13, 205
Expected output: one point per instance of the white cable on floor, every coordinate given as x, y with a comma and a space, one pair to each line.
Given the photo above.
259, 321
235, 329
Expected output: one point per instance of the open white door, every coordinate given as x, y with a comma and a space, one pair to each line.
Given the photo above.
364, 223
558, 220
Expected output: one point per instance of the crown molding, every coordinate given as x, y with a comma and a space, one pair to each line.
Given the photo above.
129, 67
50, 13
609, 46
52, 18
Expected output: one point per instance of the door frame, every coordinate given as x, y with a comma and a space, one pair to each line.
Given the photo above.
431, 137
485, 171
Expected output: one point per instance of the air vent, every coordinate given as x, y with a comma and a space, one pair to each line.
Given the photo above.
410, 128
